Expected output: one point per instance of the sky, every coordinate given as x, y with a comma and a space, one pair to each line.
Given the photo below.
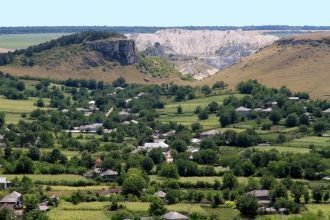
164, 12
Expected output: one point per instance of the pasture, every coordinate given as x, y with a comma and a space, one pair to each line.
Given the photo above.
15, 108
318, 142
169, 113
21, 41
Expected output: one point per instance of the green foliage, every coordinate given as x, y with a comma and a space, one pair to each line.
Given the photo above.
248, 205
156, 66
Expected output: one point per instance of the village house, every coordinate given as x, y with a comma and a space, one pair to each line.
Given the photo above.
242, 111
174, 216
326, 112
210, 133
160, 194
195, 141
4, 183
262, 196
160, 143
92, 128
109, 175
294, 98
12, 201
192, 149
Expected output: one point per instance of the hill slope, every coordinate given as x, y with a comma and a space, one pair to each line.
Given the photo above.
98, 55
301, 62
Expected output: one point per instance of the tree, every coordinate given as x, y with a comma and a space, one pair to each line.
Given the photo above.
213, 107
40, 103
179, 145
229, 181
157, 155
207, 143
206, 90
317, 194
297, 190
216, 200
248, 206
225, 119
133, 185
275, 116
2, 119
172, 196
219, 85
267, 181
319, 127
34, 153
169, 171
196, 127
147, 164
31, 201
279, 191
179, 109
119, 82
157, 207
24, 165
292, 120
203, 114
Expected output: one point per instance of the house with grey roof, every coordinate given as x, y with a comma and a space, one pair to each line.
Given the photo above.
160, 194
326, 112
242, 111
12, 201
263, 196
174, 216
109, 175
210, 133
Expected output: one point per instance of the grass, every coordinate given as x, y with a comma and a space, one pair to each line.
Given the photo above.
14, 108
281, 149
319, 142
195, 179
97, 210
314, 208
48, 177
67, 190
169, 113
20, 41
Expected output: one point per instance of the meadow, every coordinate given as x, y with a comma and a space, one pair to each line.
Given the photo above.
15, 108
169, 113
21, 41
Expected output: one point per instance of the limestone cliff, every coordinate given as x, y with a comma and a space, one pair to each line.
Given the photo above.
119, 50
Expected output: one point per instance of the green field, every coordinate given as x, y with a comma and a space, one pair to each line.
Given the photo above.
97, 210
301, 150
14, 108
195, 179
21, 41
46, 177
169, 113
316, 141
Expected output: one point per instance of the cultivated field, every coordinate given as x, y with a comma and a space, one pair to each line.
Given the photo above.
21, 41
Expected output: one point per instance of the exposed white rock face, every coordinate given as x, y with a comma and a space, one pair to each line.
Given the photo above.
202, 52
203, 42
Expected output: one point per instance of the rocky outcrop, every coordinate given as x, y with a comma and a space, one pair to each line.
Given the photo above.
201, 52
116, 50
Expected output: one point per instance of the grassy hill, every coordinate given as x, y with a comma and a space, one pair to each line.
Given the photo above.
81, 56
302, 63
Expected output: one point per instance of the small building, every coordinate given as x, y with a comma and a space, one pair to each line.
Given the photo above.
195, 141
43, 206
12, 201
262, 196
160, 194
192, 150
91, 102
210, 133
242, 111
169, 133
294, 98
109, 191
154, 145
326, 112
174, 216
109, 175
4, 183
168, 157
65, 111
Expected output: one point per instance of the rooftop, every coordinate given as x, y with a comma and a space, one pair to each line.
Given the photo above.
11, 198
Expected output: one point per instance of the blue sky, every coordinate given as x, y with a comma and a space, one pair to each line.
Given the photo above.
164, 12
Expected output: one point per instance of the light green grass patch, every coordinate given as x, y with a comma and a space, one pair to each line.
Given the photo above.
281, 149
21, 41
48, 177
